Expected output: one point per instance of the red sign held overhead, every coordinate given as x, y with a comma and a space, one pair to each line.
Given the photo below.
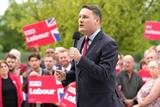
44, 89
41, 33
152, 30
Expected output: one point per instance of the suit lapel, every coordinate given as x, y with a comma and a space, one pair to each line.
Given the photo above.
94, 42
79, 47
81, 41
80, 44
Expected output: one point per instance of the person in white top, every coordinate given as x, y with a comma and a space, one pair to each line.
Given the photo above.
149, 94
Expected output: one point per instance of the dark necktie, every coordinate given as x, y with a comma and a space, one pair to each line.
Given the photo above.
65, 71
84, 50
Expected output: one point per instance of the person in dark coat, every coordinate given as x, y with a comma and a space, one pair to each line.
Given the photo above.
94, 63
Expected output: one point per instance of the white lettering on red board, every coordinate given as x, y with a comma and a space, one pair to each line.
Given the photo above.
35, 83
152, 32
70, 98
30, 32
37, 37
39, 91
72, 90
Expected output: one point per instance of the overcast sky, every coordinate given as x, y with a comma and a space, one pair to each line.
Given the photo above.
4, 5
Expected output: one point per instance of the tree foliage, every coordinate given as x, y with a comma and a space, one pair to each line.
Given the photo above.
122, 19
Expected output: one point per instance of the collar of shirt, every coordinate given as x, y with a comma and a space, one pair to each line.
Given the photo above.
40, 71
68, 68
91, 37
49, 70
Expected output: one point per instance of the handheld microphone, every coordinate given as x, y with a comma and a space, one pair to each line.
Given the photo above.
76, 37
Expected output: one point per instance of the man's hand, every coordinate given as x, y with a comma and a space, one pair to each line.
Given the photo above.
128, 102
60, 75
34, 73
136, 105
74, 54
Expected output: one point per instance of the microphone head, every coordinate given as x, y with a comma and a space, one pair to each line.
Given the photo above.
76, 35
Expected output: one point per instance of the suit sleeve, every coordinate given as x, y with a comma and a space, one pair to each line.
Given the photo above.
70, 76
105, 67
118, 79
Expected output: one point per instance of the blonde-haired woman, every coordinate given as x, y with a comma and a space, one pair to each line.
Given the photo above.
10, 88
149, 94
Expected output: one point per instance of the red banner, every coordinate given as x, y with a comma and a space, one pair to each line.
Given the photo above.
41, 33
44, 89
69, 97
152, 30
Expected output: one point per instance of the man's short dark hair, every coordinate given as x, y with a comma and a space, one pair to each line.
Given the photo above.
34, 55
94, 9
10, 56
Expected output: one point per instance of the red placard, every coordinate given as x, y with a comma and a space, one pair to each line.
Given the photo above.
69, 97
152, 30
44, 89
41, 33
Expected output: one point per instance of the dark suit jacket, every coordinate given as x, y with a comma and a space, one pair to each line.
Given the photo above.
94, 73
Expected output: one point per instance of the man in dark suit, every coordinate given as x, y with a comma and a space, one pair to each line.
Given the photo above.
93, 69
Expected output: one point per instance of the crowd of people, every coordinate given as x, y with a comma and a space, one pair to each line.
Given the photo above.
137, 87
140, 87
12, 69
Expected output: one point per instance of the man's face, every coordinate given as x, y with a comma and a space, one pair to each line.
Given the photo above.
11, 63
34, 63
64, 59
88, 21
49, 62
128, 64
50, 52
